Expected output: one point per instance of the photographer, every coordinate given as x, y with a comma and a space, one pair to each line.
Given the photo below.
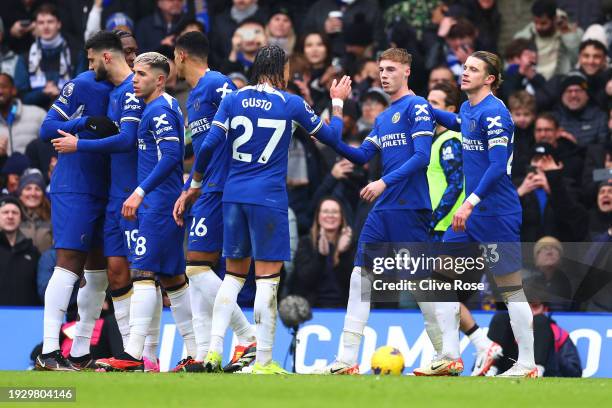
247, 39
549, 206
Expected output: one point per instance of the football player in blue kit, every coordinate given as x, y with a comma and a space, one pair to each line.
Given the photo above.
257, 122
158, 249
491, 213
402, 134
205, 221
79, 191
124, 109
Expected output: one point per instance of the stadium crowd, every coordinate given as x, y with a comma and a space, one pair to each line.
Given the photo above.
557, 85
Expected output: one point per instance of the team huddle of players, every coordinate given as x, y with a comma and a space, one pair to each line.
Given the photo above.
235, 203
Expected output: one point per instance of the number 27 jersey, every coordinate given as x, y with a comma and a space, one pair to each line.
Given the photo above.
259, 121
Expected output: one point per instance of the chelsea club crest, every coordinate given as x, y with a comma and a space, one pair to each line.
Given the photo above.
396, 117
196, 104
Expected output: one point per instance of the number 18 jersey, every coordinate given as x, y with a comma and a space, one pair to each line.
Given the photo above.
259, 121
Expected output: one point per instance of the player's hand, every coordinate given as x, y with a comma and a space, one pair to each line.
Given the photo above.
341, 89
65, 144
186, 199
461, 216
371, 192
101, 125
130, 206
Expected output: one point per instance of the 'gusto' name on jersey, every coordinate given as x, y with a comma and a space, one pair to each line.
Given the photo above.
257, 103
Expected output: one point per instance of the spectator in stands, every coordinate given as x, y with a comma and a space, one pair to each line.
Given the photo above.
566, 150
238, 79
41, 154
557, 40
548, 280
521, 73
366, 77
190, 25
331, 16
83, 18
19, 123
323, 261
402, 35
373, 103
439, 74
485, 15
12, 169
18, 258
598, 156
18, 16
36, 221
314, 70
460, 43
592, 63
224, 25
576, 113
159, 28
358, 43
280, 31
523, 109
550, 205
51, 60
600, 218
249, 37
13, 64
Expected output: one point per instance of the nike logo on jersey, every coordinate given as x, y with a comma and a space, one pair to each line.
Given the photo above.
160, 120
225, 90
493, 122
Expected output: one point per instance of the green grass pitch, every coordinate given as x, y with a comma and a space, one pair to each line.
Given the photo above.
249, 391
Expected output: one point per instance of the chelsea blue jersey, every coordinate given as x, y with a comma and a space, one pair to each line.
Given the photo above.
393, 134
483, 126
124, 106
259, 121
162, 121
82, 172
202, 104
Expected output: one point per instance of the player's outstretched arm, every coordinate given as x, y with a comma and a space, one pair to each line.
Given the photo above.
120, 142
447, 119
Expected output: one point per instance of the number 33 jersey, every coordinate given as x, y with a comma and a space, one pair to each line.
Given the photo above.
259, 121
484, 126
